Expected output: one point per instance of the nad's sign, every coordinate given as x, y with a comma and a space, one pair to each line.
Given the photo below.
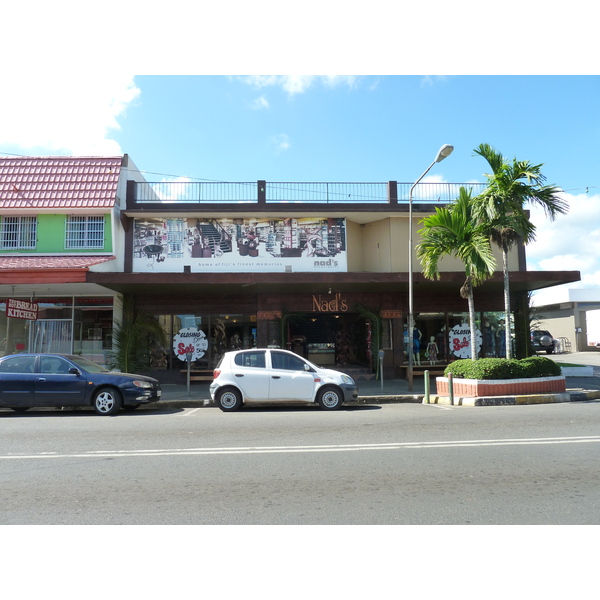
239, 245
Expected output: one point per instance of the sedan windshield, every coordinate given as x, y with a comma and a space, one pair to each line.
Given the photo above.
87, 365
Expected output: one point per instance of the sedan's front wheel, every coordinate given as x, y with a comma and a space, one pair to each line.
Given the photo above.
330, 398
107, 401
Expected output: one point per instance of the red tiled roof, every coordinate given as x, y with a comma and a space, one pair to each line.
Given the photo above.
58, 182
51, 262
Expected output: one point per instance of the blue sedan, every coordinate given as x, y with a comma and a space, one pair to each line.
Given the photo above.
43, 380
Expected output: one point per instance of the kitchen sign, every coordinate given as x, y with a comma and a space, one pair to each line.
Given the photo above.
21, 309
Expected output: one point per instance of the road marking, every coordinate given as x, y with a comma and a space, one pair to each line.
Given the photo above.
187, 413
303, 449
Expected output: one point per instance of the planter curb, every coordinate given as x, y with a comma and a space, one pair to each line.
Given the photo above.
578, 396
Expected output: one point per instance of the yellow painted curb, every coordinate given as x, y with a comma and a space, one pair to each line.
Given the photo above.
542, 398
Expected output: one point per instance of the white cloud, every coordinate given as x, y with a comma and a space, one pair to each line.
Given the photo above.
569, 243
298, 84
430, 80
260, 102
174, 193
58, 112
281, 142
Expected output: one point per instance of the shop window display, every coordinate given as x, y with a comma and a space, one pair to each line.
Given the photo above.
440, 338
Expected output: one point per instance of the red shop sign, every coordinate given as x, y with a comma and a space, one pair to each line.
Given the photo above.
21, 309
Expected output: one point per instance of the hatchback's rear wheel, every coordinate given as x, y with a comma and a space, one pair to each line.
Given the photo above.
107, 401
330, 398
229, 399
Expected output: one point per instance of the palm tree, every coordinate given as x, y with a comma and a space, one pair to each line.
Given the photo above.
502, 207
133, 339
453, 231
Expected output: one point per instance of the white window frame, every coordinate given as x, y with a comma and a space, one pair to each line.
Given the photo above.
81, 234
18, 233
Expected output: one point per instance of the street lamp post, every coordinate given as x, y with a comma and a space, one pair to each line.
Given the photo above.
443, 152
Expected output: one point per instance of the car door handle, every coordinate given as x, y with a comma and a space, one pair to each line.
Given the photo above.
239, 374
275, 377
41, 379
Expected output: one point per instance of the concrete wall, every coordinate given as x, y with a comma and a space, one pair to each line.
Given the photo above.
382, 247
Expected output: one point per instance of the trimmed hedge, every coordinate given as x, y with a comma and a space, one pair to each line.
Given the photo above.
502, 368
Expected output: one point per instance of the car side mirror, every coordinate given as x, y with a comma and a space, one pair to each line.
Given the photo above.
74, 371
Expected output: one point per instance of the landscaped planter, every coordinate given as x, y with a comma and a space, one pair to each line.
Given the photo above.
473, 388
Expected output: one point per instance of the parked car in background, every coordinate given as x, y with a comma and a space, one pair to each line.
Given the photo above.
543, 341
45, 380
273, 375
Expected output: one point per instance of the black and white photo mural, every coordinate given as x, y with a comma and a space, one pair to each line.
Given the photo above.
239, 245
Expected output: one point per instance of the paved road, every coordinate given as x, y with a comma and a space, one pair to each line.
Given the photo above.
388, 464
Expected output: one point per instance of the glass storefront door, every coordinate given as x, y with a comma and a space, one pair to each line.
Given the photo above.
52, 335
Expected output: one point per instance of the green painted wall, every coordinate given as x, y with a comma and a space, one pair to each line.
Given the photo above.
51, 237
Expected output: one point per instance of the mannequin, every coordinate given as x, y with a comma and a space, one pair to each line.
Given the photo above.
417, 346
432, 350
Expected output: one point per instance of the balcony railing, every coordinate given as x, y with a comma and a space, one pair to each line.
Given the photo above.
308, 192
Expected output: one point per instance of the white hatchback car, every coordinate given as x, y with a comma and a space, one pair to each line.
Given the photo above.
269, 375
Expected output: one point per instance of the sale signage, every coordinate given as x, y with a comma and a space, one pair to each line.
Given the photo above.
460, 340
190, 341
21, 309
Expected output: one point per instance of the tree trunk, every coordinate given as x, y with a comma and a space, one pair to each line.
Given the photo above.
472, 325
466, 291
507, 314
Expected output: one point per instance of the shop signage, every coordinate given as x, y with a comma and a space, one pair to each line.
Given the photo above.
329, 304
391, 314
190, 341
268, 315
460, 340
21, 309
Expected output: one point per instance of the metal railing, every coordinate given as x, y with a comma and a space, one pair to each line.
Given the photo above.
437, 192
307, 192
327, 192
195, 191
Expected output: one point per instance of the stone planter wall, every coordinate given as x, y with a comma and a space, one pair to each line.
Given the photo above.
472, 388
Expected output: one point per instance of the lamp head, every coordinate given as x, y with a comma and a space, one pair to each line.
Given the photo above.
443, 152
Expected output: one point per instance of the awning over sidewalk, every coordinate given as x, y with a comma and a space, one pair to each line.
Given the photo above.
15, 270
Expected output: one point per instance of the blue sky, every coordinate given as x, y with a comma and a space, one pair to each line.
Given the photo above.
332, 128
361, 128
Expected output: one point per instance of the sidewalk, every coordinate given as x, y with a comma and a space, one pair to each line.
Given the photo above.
389, 391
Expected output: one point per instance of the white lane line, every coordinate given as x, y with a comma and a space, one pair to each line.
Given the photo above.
302, 449
188, 412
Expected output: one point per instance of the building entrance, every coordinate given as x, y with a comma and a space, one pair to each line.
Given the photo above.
331, 340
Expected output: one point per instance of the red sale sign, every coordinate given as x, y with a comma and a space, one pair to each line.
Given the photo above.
460, 340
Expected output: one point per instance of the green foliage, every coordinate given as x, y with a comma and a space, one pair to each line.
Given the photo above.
500, 208
453, 231
503, 368
133, 339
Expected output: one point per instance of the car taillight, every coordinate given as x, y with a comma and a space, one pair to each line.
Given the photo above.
216, 373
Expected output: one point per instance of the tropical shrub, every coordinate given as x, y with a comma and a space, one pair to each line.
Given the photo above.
503, 368
133, 339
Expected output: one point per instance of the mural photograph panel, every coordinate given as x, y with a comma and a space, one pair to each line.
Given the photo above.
239, 245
